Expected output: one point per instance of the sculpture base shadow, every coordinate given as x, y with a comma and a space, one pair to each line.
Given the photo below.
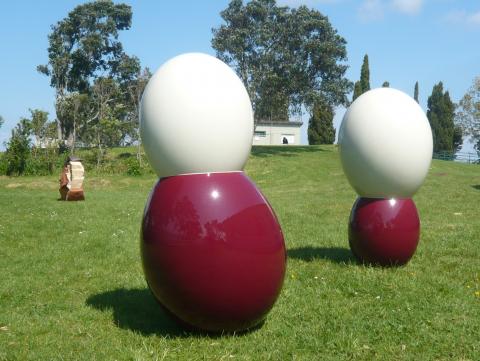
332, 254
138, 310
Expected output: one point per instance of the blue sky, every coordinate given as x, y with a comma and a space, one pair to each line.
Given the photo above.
406, 40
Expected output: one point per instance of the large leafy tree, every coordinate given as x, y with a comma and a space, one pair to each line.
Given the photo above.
320, 125
82, 47
440, 113
287, 58
468, 113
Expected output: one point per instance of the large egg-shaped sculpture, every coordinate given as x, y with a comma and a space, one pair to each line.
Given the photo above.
212, 249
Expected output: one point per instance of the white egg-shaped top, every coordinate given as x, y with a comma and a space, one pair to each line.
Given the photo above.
196, 117
386, 145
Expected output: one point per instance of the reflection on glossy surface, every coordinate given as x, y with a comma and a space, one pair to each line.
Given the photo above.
384, 231
212, 249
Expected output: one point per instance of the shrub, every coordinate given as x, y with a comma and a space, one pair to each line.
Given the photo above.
133, 166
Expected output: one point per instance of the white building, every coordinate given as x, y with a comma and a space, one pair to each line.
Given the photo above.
277, 133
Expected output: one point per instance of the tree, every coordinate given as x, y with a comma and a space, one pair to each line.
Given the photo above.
1, 121
365, 75
132, 81
468, 113
74, 109
134, 90
320, 125
38, 121
440, 113
457, 138
287, 58
386, 84
363, 85
357, 90
103, 128
82, 47
18, 148
415, 92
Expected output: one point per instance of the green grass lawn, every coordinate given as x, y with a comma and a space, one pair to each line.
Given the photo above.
72, 288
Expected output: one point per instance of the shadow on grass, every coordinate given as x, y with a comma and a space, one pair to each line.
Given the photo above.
285, 150
476, 186
333, 254
138, 311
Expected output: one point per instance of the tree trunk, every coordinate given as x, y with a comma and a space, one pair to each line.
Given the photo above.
74, 134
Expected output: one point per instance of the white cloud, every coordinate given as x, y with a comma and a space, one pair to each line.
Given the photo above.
474, 19
410, 7
463, 17
371, 10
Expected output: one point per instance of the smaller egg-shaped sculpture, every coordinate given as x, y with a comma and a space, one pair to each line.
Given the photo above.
385, 144
384, 231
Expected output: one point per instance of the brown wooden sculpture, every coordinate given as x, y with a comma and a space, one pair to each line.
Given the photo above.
71, 180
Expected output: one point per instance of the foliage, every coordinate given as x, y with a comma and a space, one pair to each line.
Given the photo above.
74, 287
43, 164
134, 167
92, 75
363, 85
440, 114
320, 125
73, 109
18, 149
49, 161
468, 113
357, 90
86, 43
38, 121
1, 121
415, 92
386, 84
365, 75
287, 58
457, 138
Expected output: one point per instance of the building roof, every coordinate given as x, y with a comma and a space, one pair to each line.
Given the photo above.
280, 123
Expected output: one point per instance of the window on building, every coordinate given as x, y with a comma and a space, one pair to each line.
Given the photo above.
259, 134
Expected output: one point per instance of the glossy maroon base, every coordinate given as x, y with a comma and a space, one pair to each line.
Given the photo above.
212, 249
384, 231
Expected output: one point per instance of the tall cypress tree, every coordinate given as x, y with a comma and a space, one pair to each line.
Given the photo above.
363, 85
357, 90
415, 92
320, 125
440, 113
365, 75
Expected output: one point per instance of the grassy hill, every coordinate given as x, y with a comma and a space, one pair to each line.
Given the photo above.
72, 286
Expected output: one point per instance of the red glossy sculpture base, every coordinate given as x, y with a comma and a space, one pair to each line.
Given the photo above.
212, 249
384, 231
